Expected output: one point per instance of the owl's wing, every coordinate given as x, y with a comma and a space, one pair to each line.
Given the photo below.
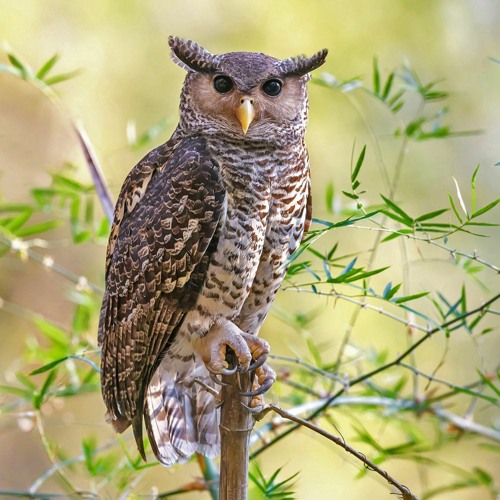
165, 219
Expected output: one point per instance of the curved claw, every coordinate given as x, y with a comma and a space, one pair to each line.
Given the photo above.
227, 371
258, 362
261, 390
216, 379
223, 371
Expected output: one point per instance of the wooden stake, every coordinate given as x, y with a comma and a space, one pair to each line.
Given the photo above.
236, 425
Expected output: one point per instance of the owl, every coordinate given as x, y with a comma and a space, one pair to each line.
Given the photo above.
203, 231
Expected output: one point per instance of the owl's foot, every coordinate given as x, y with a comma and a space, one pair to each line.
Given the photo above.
265, 377
213, 348
250, 352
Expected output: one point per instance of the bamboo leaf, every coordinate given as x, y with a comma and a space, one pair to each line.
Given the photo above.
408, 221
51, 331
485, 209
454, 208
473, 190
47, 66
329, 196
16, 222
407, 298
489, 383
460, 199
359, 163
61, 77
388, 86
24, 69
376, 77
431, 215
353, 196
389, 294
349, 266
42, 227
48, 366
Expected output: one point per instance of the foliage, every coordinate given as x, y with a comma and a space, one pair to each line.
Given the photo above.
62, 362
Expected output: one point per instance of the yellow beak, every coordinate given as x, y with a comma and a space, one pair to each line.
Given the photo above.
245, 113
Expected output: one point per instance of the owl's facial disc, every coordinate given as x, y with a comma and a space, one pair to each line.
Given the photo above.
245, 113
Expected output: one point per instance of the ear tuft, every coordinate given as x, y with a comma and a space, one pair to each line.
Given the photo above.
301, 65
191, 56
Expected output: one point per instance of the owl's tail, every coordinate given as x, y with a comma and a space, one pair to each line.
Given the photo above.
181, 416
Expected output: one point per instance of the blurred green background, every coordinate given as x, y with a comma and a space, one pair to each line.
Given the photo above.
127, 80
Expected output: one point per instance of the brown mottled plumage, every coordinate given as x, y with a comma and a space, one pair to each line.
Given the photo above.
203, 229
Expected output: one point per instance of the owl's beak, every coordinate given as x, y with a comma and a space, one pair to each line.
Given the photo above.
245, 113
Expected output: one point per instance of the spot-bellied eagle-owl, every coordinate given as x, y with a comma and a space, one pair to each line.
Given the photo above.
203, 229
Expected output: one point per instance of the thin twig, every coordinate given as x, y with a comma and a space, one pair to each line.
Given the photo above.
309, 366
327, 402
22, 248
405, 492
363, 305
453, 252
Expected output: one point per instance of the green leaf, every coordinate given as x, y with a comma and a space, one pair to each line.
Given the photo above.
485, 209
395, 217
390, 291
388, 86
407, 298
329, 196
359, 163
473, 189
454, 208
71, 185
489, 383
431, 215
353, 196
408, 221
332, 251
376, 77
52, 332
48, 366
47, 66
483, 476
42, 227
104, 228
16, 222
82, 237
61, 77
25, 70
15, 391
38, 397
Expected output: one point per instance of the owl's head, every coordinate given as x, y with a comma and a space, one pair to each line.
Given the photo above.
243, 94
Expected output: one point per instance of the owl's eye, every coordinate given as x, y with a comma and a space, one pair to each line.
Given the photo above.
223, 84
272, 87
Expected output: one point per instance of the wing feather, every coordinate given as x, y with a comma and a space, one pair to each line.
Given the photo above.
160, 243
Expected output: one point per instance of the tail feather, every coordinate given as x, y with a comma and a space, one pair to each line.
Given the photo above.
181, 416
208, 424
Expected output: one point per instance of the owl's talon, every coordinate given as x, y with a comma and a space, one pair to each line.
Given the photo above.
229, 371
258, 362
215, 378
258, 412
264, 387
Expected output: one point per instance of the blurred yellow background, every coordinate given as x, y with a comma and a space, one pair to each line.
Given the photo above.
126, 77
